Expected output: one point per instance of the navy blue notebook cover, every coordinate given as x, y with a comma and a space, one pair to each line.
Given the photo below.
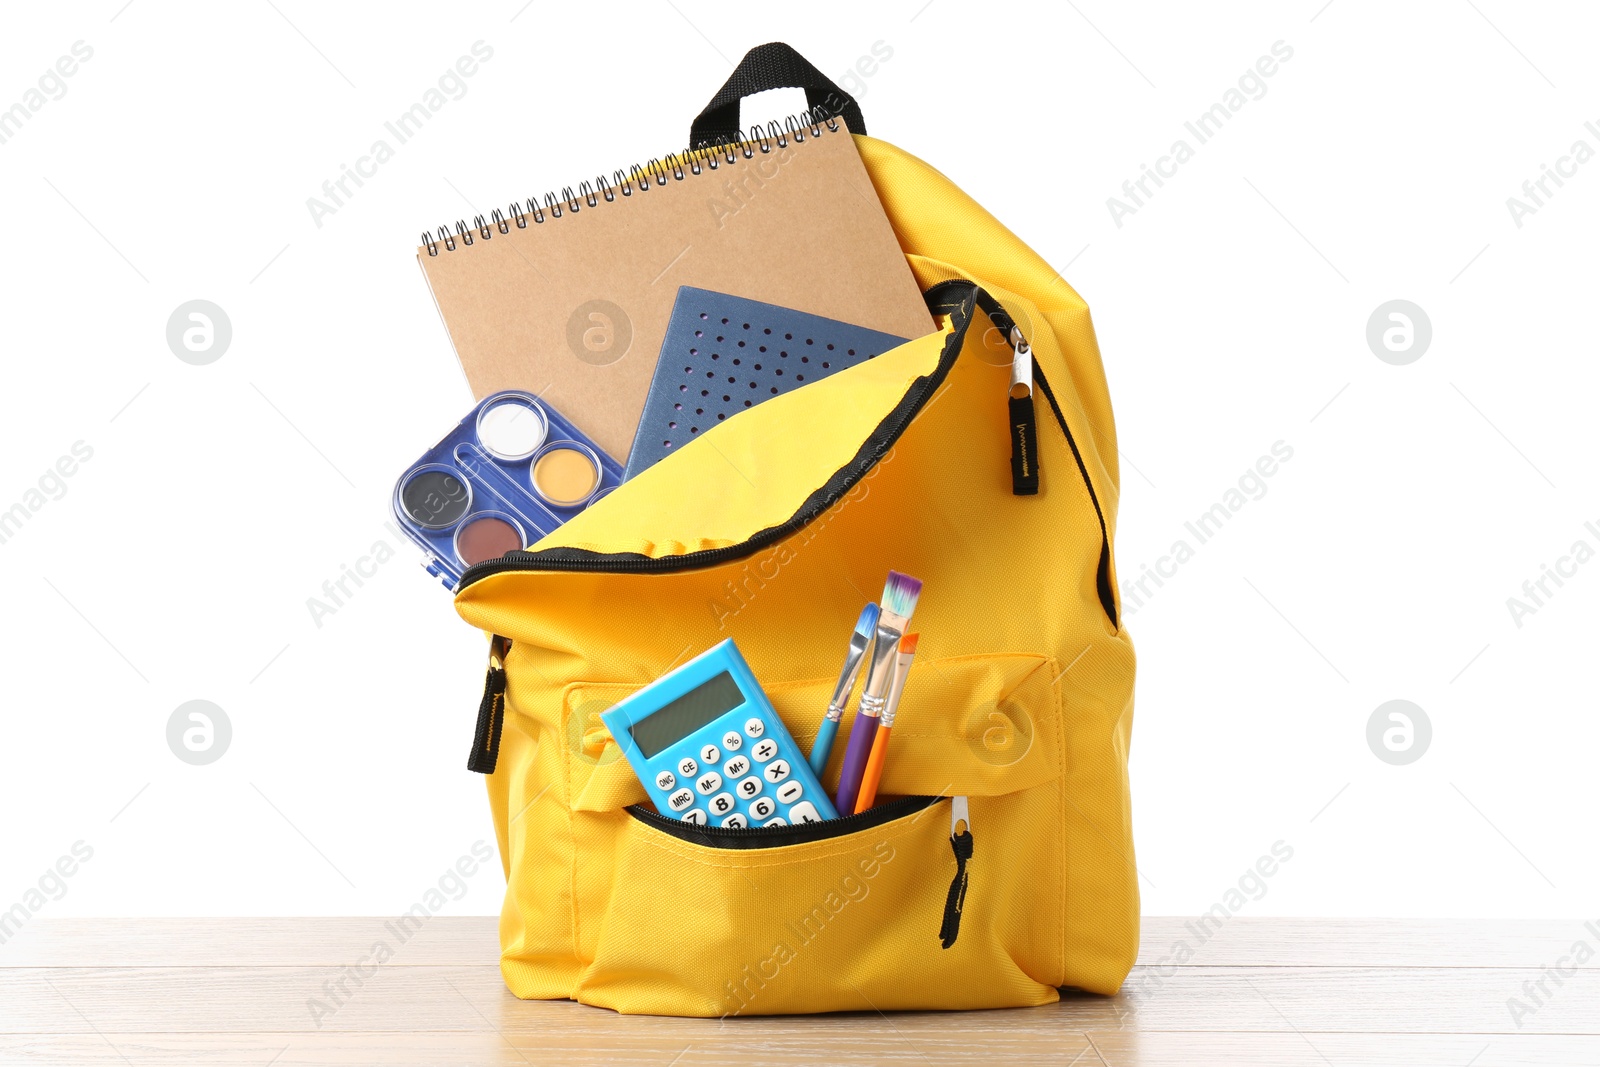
724, 353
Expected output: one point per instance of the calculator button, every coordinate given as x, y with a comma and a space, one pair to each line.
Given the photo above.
688, 767
731, 741
666, 780
790, 791
710, 754
696, 816
805, 811
754, 728
750, 787
777, 770
764, 749
735, 822
708, 783
775, 822
737, 767
763, 807
721, 804
680, 800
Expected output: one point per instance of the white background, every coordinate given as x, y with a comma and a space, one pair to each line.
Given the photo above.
1231, 308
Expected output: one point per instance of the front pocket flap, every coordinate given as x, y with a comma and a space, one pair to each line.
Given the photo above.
979, 725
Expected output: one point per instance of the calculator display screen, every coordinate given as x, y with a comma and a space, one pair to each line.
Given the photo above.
678, 719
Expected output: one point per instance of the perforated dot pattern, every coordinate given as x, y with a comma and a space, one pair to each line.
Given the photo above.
725, 354
733, 365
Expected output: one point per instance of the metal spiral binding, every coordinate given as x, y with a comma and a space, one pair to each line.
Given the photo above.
656, 173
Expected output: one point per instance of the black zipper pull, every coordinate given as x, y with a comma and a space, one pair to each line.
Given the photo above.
1024, 430
491, 710
961, 844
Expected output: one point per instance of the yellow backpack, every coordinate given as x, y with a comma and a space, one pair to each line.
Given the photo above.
998, 865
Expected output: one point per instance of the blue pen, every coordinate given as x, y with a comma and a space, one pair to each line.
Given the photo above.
860, 641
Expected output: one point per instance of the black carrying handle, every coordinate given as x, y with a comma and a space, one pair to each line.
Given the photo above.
764, 67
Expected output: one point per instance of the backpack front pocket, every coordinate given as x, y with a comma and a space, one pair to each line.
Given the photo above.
828, 921
905, 905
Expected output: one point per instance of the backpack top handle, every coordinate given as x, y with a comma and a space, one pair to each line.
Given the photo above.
764, 67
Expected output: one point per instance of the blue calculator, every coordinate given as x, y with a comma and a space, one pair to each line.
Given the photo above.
710, 749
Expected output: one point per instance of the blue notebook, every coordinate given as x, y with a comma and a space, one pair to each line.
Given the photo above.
723, 354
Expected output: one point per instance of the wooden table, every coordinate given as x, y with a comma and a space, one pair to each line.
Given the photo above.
1285, 992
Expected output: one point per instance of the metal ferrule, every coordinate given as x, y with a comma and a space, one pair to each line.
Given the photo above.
847, 677
881, 673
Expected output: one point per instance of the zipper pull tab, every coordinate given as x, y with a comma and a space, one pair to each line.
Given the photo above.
491, 710
1024, 430
961, 844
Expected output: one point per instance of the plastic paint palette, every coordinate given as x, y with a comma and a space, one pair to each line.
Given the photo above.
509, 473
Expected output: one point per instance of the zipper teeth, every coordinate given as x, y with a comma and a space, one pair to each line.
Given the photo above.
1108, 599
548, 560
709, 557
939, 300
749, 835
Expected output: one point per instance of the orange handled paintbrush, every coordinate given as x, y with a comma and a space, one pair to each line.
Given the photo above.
880, 740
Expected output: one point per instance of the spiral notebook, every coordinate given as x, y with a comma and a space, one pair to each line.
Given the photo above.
569, 296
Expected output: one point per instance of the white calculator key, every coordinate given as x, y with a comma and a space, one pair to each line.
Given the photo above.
735, 822
666, 780
737, 767
763, 807
708, 783
688, 767
750, 787
775, 822
680, 800
777, 770
696, 816
754, 727
805, 811
764, 749
790, 791
721, 804
731, 741
709, 755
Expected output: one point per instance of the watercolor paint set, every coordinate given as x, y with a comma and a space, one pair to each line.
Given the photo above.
510, 472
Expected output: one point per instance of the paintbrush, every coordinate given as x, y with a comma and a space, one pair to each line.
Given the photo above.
900, 594
880, 740
860, 641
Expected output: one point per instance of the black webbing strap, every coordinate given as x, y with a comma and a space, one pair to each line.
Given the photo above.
764, 67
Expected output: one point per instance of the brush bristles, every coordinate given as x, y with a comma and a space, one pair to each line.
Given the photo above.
867, 621
908, 644
900, 594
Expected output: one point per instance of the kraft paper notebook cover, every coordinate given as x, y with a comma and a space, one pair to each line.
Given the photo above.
575, 307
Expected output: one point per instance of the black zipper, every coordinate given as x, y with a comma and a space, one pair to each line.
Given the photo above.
940, 295
955, 900
779, 836
872, 450
957, 298
1102, 572
491, 710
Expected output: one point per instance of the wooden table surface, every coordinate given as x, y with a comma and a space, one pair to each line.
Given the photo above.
1285, 992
